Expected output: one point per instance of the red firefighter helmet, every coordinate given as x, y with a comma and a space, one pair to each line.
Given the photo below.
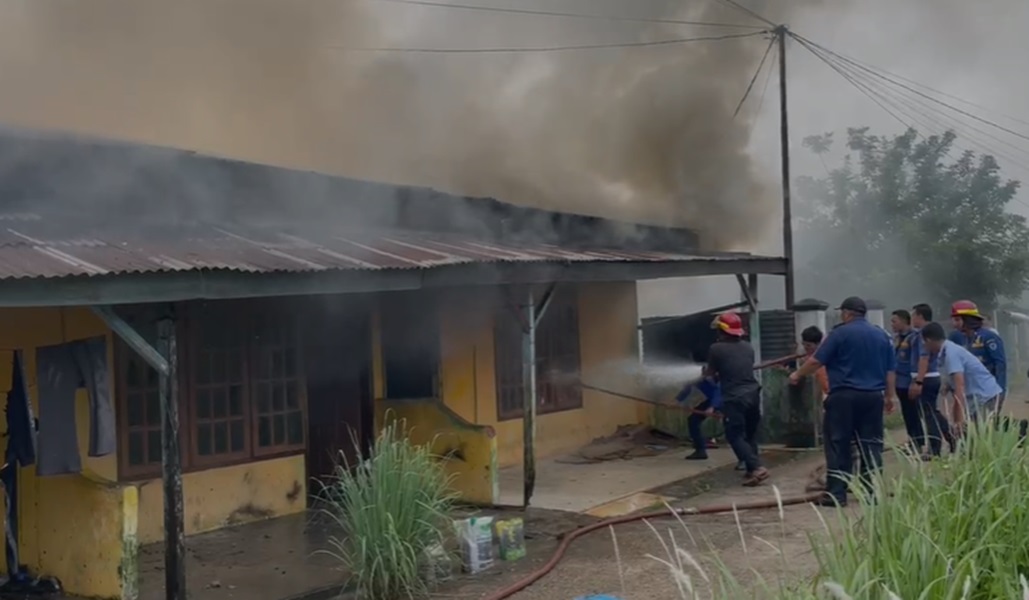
965, 308
730, 323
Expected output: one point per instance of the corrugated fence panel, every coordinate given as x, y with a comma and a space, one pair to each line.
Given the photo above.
778, 333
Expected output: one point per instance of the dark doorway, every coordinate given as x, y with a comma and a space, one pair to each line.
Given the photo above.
337, 359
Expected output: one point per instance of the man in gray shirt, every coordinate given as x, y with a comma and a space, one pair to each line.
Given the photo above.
731, 361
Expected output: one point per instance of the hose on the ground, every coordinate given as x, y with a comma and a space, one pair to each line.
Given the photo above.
567, 540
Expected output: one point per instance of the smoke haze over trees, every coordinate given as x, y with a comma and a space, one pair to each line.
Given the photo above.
910, 219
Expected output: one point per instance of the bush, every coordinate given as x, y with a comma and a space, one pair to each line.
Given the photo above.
392, 509
952, 529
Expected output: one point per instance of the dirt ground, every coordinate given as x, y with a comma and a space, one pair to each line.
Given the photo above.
591, 566
772, 549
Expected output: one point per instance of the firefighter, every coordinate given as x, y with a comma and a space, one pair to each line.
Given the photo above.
731, 361
900, 322
860, 360
926, 384
984, 343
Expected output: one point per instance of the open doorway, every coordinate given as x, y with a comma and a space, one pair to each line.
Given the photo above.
337, 361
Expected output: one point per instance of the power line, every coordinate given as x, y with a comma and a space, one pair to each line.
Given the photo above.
550, 13
764, 89
867, 91
934, 90
921, 109
750, 86
915, 91
666, 42
744, 9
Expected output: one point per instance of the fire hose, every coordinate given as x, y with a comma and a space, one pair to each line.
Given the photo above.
567, 539
758, 367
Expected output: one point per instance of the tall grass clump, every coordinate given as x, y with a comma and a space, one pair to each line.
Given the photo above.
391, 510
952, 529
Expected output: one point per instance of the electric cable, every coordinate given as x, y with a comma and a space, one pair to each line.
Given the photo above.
750, 86
752, 13
864, 88
931, 113
915, 91
665, 42
551, 13
764, 91
932, 89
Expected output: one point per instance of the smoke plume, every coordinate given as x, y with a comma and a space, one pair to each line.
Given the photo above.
644, 134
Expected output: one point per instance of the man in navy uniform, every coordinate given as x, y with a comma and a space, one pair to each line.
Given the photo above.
859, 358
984, 343
900, 323
926, 384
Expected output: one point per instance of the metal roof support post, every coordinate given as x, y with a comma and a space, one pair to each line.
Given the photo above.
529, 399
533, 314
163, 359
748, 293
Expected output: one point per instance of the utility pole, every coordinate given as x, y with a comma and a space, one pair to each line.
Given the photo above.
784, 139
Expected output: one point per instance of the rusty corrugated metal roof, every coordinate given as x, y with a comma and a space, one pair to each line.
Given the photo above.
34, 247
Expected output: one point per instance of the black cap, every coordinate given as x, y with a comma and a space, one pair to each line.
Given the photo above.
854, 304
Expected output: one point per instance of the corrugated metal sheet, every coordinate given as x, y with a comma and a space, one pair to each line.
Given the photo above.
34, 247
778, 333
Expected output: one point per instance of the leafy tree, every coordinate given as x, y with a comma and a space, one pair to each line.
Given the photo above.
909, 219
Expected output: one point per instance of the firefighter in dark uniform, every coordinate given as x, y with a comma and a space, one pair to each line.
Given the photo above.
860, 360
984, 343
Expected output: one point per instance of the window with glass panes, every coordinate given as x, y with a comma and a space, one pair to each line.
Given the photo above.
557, 351
241, 393
142, 415
276, 388
219, 384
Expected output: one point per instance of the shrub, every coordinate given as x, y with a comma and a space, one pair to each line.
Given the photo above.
391, 509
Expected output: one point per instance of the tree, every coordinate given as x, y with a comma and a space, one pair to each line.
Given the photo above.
909, 219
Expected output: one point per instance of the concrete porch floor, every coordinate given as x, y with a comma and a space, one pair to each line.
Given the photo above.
268, 560
581, 487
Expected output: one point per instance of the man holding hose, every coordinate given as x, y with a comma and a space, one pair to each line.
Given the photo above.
731, 361
860, 360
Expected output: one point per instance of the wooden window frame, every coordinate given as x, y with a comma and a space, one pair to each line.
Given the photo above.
194, 352
296, 380
554, 339
188, 333
122, 354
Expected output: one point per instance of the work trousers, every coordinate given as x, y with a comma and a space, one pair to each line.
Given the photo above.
911, 410
742, 417
852, 413
936, 426
695, 422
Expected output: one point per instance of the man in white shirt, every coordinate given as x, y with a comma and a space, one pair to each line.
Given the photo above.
976, 391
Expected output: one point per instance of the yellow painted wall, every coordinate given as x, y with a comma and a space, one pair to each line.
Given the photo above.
470, 451
608, 320
74, 527
234, 495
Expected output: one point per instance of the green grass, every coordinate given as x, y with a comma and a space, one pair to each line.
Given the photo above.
392, 509
955, 529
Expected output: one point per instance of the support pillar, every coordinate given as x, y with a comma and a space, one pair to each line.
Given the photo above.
163, 359
531, 315
803, 413
876, 313
529, 400
810, 312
